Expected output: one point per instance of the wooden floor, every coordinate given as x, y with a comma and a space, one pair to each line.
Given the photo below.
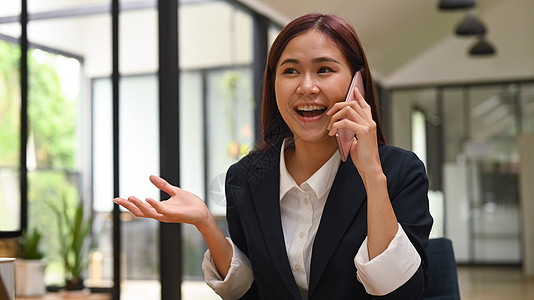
56, 296
476, 283
71, 296
494, 283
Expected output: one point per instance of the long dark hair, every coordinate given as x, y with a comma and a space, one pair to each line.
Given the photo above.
274, 128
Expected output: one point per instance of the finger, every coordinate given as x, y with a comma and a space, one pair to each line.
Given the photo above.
119, 200
347, 113
345, 124
361, 107
156, 205
163, 185
339, 111
165, 214
340, 105
129, 206
359, 98
335, 108
145, 209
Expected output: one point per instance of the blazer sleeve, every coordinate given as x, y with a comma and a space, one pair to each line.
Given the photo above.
236, 190
408, 192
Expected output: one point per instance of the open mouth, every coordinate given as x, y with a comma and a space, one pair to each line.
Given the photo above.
309, 111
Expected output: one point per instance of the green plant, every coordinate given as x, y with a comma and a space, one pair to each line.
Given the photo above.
30, 244
73, 229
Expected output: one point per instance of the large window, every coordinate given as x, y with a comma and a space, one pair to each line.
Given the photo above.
53, 154
53, 144
70, 125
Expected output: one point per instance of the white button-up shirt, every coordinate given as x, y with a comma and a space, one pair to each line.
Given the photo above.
301, 208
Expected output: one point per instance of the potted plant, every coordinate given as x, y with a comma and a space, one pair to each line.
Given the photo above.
73, 230
30, 266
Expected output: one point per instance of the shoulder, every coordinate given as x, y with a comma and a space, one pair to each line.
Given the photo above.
394, 157
401, 165
403, 169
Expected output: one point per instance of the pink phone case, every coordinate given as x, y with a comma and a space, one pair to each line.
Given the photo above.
344, 137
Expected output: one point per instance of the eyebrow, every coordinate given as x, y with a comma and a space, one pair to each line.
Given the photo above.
315, 60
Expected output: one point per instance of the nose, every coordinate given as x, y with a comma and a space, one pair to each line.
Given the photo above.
307, 86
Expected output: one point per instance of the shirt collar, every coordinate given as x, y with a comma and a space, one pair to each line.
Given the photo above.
320, 181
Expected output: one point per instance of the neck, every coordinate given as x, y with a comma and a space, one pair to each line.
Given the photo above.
308, 157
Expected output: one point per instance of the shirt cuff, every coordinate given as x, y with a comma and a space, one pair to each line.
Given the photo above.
390, 269
238, 280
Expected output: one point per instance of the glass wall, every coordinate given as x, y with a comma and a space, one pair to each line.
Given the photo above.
495, 172
477, 162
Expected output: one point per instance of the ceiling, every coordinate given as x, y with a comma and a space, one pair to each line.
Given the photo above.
411, 42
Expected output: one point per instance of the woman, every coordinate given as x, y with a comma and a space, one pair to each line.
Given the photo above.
303, 224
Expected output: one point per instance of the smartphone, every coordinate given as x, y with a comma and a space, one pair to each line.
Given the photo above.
344, 137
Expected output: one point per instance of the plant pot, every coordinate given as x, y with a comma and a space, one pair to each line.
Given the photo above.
29, 277
75, 284
74, 289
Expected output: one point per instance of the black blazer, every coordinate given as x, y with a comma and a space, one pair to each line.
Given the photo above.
254, 222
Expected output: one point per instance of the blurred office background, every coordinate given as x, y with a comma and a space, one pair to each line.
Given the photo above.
467, 113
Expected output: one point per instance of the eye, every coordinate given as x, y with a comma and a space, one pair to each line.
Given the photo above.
290, 71
324, 70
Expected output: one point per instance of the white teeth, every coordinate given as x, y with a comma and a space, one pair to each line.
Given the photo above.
310, 107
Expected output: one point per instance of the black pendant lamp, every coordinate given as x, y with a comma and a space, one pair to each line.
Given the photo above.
471, 25
482, 48
456, 4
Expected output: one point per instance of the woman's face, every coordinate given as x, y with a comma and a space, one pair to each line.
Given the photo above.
311, 75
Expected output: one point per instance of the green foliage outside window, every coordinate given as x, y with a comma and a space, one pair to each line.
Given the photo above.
51, 115
52, 143
9, 104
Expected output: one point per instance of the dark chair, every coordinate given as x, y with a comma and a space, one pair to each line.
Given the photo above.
442, 273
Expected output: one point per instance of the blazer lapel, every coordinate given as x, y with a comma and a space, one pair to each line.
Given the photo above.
345, 199
265, 184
